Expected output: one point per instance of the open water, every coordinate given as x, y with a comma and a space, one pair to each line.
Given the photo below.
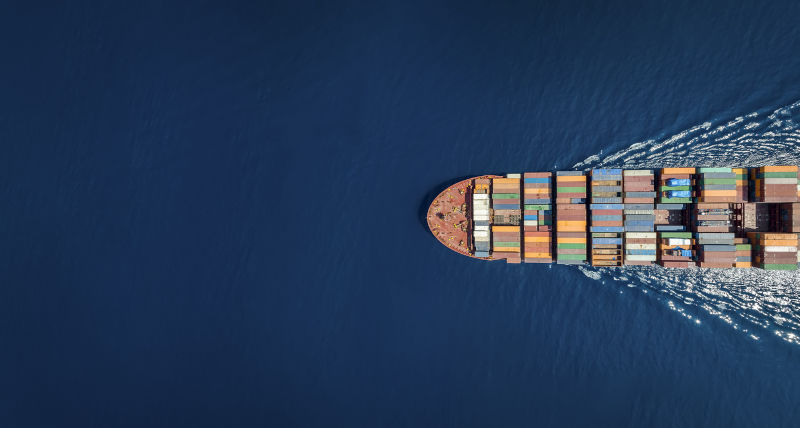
213, 213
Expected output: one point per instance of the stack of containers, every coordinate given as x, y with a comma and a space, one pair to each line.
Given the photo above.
790, 217
713, 217
507, 218
774, 184
676, 192
672, 212
606, 249
606, 186
640, 248
607, 225
570, 217
570, 187
537, 222
741, 184
480, 217
505, 243
607, 234
744, 253
676, 249
774, 251
716, 250
506, 201
639, 199
717, 185
639, 186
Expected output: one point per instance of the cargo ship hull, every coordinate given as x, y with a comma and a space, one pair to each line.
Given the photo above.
672, 217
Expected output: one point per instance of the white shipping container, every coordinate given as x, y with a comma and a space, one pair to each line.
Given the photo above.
480, 217
640, 235
481, 203
642, 212
780, 180
640, 246
482, 213
481, 228
480, 196
513, 175
481, 232
531, 223
637, 172
640, 258
780, 249
679, 241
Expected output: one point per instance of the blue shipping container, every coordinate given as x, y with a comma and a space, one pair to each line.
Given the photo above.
679, 182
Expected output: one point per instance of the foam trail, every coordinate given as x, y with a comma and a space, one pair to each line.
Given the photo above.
756, 302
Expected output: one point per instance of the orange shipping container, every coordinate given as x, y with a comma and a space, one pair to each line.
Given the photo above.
571, 178
678, 171
538, 255
780, 168
506, 180
505, 228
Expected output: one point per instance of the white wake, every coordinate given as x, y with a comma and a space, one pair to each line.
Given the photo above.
754, 301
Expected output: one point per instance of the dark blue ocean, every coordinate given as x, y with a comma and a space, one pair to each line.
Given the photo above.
213, 213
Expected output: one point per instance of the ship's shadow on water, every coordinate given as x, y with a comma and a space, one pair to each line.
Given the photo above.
422, 211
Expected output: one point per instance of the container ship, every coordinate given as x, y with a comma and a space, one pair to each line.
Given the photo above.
672, 217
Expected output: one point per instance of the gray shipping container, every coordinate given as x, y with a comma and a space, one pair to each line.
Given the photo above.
638, 206
671, 207
719, 175
719, 187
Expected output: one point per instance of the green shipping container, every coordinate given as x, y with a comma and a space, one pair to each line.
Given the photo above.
718, 181
665, 188
537, 207
780, 267
571, 257
702, 170
572, 246
778, 175
743, 247
571, 189
676, 200
505, 195
687, 235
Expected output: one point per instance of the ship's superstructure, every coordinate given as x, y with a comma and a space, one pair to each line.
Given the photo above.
673, 217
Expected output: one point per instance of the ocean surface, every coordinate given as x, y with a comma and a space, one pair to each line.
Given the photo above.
213, 213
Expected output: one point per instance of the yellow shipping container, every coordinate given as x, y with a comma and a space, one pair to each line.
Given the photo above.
743, 264
538, 255
571, 178
505, 228
571, 240
780, 168
776, 236
537, 191
505, 181
537, 239
571, 223
780, 242
506, 249
678, 171
572, 228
